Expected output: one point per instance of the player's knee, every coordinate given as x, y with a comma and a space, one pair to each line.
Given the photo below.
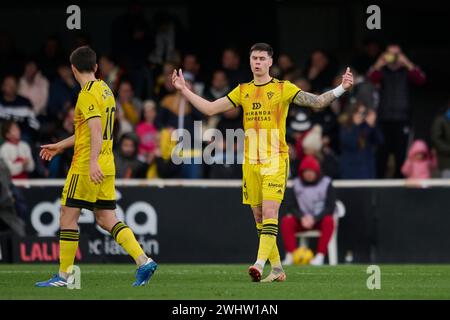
67, 219
270, 213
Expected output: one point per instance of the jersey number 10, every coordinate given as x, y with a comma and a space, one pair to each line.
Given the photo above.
108, 133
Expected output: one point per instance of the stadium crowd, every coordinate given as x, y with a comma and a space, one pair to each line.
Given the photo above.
353, 138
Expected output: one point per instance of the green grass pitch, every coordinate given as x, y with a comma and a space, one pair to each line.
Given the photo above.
172, 281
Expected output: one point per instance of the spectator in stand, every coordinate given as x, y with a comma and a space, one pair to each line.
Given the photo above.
217, 89
311, 205
420, 161
320, 71
35, 87
367, 56
147, 132
286, 69
60, 164
192, 65
63, 93
313, 145
298, 128
231, 64
51, 56
220, 169
166, 169
231, 119
164, 84
126, 159
359, 136
176, 112
10, 206
394, 73
15, 152
219, 86
128, 103
121, 126
440, 137
109, 72
18, 108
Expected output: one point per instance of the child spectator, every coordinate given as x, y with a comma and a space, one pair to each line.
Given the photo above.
420, 161
147, 133
311, 205
16, 153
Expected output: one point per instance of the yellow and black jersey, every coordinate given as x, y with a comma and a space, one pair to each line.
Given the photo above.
94, 100
265, 108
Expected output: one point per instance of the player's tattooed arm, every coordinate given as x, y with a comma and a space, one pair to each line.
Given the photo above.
321, 101
313, 100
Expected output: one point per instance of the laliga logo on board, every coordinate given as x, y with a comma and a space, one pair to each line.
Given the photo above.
50, 229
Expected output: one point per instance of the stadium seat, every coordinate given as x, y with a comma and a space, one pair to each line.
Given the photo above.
332, 245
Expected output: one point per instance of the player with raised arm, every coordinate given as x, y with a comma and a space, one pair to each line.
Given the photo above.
265, 102
90, 180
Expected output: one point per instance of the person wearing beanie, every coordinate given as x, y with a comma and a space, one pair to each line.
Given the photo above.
312, 144
299, 125
311, 205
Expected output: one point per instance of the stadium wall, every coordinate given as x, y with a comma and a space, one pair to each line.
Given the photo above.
180, 221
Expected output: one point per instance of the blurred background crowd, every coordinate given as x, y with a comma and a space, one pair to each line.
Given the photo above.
366, 134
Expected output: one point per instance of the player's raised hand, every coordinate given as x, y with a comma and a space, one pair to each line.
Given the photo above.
48, 151
347, 79
178, 80
95, 173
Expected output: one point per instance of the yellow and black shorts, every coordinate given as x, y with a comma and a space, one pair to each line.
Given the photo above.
264, 181
80, 192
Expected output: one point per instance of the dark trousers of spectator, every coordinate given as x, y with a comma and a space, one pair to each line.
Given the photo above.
396, 137
290, 225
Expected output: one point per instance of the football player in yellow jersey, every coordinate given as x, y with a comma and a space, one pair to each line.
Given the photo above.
265, 101
90, 180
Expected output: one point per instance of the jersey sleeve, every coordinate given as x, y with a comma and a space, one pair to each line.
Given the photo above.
88, 105
235, 96
290, 91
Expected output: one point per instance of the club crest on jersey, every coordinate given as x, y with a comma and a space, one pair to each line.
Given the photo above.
270, 94
246, 96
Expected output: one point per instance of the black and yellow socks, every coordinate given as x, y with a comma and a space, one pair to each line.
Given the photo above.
126, 239
68, 245
268, 248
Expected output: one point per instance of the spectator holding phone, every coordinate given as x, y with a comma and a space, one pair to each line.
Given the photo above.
394, 73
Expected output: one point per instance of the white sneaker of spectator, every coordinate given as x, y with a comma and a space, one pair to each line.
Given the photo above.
317, 260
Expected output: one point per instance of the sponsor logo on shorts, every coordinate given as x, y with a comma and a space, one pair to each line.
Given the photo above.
275, 185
